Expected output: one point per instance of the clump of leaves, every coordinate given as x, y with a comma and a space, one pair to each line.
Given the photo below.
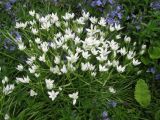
142, 93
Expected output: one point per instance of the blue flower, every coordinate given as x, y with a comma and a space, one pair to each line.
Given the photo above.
112, 103
155, 5
105, 115
8, 45
98, 2
12, 1
7, 5
157, 77
151, 70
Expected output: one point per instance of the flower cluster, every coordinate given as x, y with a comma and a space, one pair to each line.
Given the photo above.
67, 46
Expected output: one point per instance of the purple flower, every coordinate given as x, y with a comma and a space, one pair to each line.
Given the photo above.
99, 3
110, 21
8, 5
155, 5
119, 15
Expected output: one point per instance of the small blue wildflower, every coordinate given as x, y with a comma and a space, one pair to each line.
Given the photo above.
119, 15
110, 21
12, 1
105, 115
110, 1
7, 5
157, 77
112, 103
151, 70
8, 45
155, 5
98, 2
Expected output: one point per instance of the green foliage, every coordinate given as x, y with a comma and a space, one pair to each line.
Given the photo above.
157, 115
142, 93
154, 52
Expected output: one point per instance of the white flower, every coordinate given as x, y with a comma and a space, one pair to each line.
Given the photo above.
34, 31
57, 60
102, 22
54, 18
21, 46
93, 29
114, 45
32, 13
44, 47
77, 40
32, 22
20, 67
102, 57
115, 63
122, 51
118, 27
23, 80
53, 95
33, 93
60, 89
93, 20
85, 15
79, 30
31, 60
46, 25
72, 58
85, 54
144, 46
6, 117
111, 28
102, 68
21, 25
68, 16
64, 69
5, 80
93, 74
33, 69
142, 52
37, 16
49, 83
118, 36
55, 70
42, 58
136, 62
78, 50
36, 75
127, 39
112, 90
94, 51
87, 66
74, 96
80, 21
38, 41
130, 55
120, 69
8, 89
109, 63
